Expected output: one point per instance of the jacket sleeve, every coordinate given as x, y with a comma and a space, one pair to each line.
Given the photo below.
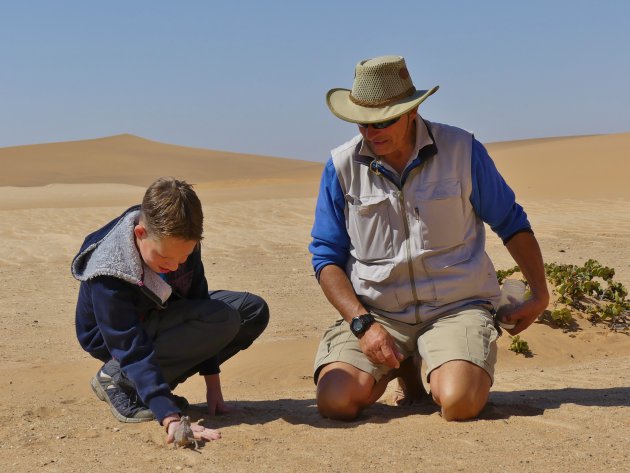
493, 200
331, 242
117, 319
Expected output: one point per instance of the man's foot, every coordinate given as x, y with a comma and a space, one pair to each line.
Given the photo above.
408, 385
123, 401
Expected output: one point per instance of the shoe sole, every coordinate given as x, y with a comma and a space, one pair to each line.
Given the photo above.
100, 393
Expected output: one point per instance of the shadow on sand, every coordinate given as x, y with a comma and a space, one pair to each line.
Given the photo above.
505, 404
502, 405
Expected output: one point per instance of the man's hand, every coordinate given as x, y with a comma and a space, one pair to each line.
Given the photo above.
379, 346
525, 314
525, 250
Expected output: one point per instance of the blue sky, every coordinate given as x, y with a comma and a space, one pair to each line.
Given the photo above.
251, 76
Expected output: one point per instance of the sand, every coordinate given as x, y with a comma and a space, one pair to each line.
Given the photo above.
565, 408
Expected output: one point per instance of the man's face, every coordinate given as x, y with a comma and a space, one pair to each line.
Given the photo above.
391, 140
165, 254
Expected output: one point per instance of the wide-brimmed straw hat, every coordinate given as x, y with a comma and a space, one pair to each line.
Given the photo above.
382, 90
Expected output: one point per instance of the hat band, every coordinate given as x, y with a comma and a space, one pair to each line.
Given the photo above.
382, 103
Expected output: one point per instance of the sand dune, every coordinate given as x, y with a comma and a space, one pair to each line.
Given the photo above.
563, 409
580, 167
128, 159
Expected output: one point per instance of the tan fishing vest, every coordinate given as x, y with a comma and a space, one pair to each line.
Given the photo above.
416, 252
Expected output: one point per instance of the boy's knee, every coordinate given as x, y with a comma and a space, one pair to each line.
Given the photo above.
259, 306
255, 314
227, 317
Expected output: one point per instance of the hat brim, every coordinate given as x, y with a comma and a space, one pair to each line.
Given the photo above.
339, 103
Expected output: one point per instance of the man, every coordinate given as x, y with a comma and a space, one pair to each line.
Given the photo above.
398, 249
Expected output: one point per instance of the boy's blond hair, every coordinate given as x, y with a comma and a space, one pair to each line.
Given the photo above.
171, 208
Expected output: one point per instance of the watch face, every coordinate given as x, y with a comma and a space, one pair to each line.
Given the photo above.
357, 325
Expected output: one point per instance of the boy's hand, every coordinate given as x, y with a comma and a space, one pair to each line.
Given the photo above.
199, 431
214, 396
218, 406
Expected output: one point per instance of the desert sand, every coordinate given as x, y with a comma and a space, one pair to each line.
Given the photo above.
564, 408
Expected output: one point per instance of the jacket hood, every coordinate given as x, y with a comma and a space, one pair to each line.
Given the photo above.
114, 253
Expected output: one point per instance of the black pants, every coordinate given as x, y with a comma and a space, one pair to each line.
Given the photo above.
188, 333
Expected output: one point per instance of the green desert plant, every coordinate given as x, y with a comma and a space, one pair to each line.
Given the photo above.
505, 273
562, 317
589, 288
518, 345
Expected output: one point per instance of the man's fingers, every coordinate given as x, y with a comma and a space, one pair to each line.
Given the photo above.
389, 358
399, 356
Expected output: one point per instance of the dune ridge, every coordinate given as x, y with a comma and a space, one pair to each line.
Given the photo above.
129, 159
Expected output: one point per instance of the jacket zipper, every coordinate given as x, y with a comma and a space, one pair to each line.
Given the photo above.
151, 295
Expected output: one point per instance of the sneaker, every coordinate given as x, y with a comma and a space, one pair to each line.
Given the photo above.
123, 401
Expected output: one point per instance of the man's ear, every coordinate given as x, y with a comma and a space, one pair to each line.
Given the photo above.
140, 232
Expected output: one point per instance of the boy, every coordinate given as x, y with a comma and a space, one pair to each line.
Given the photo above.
144, 310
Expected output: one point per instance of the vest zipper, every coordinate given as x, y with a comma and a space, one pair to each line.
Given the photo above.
412, 278
377, 168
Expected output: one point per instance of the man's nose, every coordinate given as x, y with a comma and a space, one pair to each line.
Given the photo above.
371, 132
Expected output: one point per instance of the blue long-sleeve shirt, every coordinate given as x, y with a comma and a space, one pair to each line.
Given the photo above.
492, 199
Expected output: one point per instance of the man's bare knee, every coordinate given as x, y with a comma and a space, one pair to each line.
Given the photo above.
461, 405
461, 389
338, 409
340, 395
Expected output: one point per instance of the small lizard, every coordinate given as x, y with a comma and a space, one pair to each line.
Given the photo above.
183, 434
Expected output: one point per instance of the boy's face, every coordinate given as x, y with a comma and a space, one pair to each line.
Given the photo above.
165, 254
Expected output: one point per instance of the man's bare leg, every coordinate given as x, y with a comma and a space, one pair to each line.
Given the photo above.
460, 388
343, 391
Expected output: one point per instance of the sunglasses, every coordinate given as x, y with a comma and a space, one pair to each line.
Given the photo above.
379, 125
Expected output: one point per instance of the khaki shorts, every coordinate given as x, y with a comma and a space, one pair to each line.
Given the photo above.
465, 334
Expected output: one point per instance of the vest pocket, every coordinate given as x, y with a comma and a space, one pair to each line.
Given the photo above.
440, 209
372, 283
443, 260
369, 227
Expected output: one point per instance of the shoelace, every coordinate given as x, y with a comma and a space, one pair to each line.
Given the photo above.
125, 402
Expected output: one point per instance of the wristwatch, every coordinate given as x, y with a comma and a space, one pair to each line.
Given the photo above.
361, 323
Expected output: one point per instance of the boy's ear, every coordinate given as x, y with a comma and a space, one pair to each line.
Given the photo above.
140, 232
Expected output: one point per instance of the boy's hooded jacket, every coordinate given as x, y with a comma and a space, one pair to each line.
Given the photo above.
118, 291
